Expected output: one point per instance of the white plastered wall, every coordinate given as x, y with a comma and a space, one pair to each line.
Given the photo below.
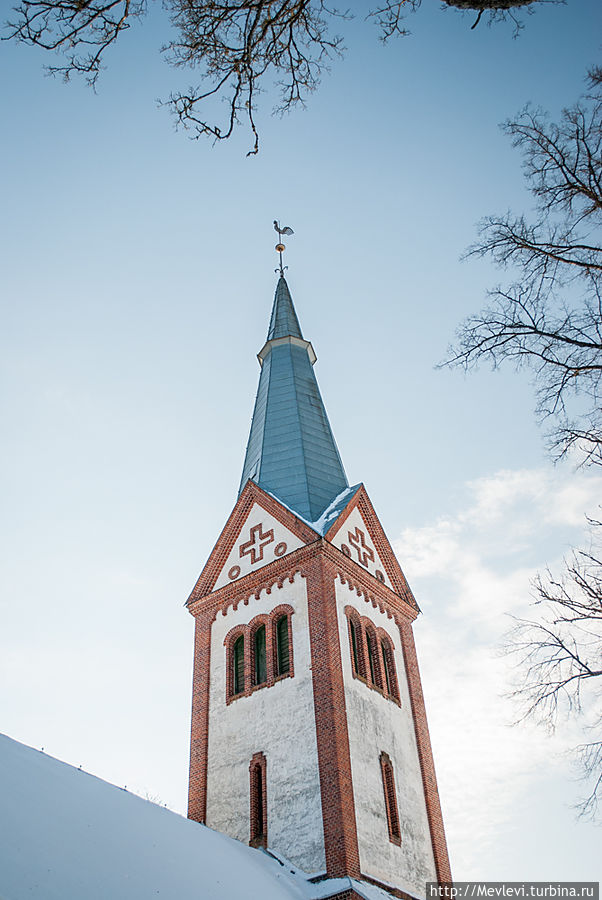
278, 721
375, 725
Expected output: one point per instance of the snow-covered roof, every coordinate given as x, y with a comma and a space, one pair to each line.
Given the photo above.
67, 835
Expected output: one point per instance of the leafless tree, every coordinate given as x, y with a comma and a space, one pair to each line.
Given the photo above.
238, 46
560, 657
549, 320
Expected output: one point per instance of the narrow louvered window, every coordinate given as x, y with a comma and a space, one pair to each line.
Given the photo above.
371, 655
391, 810
385, 654
260, 658
353, 634
238, 665
283, 656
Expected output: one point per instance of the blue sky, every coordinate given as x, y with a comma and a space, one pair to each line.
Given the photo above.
138, 280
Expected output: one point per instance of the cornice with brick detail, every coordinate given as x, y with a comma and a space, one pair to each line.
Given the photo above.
280, 570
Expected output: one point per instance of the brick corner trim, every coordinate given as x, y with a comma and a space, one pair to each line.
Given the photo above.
425, 755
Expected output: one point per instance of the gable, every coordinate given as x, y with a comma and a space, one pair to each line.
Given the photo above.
261, 539
259, 530
355, 540
358, 533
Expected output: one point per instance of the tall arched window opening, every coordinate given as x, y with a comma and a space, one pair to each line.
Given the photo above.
386, 767
238, 665
261, 673
383, 648
372, 659
283, 655
388, 661
258, 801
354, 639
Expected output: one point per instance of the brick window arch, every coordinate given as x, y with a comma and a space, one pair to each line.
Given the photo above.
258, 801
282, 641
392, 812
236, 653
372, 654
259, 653
356, 643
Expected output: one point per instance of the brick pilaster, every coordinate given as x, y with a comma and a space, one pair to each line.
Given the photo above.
334, 760
425, 754
199, 737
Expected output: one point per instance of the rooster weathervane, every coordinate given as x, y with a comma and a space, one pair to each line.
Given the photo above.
280, 247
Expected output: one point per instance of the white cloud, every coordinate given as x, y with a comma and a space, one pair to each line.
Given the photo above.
469, 571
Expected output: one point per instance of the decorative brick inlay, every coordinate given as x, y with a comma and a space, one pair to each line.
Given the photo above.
280, 549
365, 553
361, 501
234, 573
258, 539
251, 494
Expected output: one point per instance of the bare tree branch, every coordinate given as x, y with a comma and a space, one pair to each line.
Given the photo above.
550, 319
559, 656
239, 47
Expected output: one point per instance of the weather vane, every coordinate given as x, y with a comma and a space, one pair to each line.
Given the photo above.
280, 246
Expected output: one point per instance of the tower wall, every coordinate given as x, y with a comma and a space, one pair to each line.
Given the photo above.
376, 724
277, 720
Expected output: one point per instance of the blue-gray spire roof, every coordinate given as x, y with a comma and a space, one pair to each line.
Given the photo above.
291, 451
284, 319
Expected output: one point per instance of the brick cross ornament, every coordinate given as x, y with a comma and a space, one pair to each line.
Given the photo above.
365, 554
258, 539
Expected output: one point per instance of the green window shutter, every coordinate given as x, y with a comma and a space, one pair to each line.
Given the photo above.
238, 663
370, 644
260, 659
283, 656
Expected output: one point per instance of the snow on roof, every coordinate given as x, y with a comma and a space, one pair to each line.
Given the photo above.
67, 835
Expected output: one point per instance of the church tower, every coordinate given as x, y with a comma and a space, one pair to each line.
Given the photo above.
309, 733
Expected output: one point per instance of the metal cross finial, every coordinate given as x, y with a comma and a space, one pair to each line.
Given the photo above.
280, 246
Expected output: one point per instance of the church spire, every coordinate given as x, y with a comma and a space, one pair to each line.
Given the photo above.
291, 450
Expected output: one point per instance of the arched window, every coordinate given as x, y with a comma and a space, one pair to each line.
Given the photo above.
373, 661
260, 652
372, 655
390, 675
258, 801
261, 673
283, 655
386, 767
238, 665
383, 650
353, 634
